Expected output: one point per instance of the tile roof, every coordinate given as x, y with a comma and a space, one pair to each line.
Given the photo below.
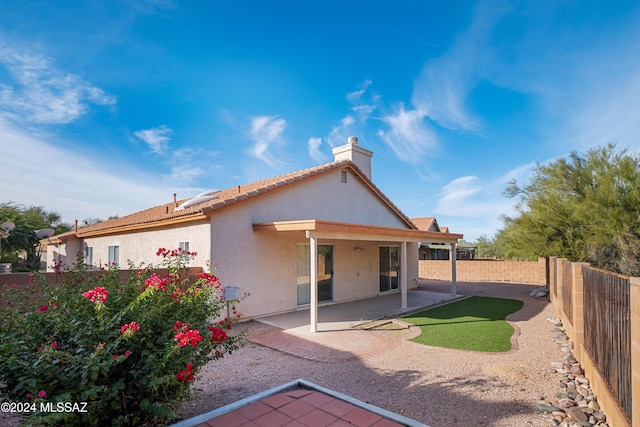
426, 223
171, 213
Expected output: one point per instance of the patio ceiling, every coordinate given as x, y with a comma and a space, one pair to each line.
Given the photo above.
350, 231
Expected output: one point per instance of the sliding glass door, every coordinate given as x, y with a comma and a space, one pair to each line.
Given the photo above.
389, 268
325, 274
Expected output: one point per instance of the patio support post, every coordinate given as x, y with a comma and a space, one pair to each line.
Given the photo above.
313, 279
403, 273
453, 269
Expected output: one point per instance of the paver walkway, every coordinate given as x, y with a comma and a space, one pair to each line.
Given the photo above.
300, 403
299, 407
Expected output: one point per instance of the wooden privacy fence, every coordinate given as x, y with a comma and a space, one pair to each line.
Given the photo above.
607, 330
600, 312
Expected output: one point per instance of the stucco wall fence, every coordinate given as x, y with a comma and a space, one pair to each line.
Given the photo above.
531, 272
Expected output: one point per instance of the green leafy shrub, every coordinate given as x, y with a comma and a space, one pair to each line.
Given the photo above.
130, 350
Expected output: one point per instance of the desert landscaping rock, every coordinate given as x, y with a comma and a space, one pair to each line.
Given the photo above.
577, 405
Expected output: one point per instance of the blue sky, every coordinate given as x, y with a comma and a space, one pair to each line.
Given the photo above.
110, 107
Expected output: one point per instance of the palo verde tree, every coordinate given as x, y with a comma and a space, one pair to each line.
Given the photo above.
23, 242
583, 208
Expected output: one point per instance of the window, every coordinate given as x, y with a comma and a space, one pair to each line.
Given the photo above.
185, 247
88, 255
324, 274
114, 255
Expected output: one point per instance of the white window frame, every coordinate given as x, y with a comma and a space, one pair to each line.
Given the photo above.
184, 245
114, 255
88, 255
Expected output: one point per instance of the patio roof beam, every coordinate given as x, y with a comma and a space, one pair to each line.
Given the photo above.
351, 231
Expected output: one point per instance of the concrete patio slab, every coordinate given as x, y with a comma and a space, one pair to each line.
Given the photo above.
347, 315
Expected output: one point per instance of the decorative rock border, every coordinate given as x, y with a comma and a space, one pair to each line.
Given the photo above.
574, 405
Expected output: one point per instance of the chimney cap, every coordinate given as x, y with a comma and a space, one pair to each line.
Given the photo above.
352, 140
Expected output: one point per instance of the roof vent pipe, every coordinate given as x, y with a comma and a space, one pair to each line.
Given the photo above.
76, 225
175, 200
352, 140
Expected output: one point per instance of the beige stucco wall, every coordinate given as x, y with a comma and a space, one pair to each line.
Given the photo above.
326, 197
66, 253
138, 247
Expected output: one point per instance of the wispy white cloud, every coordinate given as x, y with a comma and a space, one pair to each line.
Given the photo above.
442, 88
184, 174
408, 136
42, 93
362, 103
473, 197
339, 133
584, 81
476, 204
314, 150
265, 131
157, 138
83, 188
459, 190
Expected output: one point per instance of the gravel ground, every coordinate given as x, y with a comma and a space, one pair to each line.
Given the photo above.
439, 387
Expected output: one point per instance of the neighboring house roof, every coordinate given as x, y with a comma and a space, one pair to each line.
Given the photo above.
428, 223
170, 213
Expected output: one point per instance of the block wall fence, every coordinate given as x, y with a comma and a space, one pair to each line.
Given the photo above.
530, 272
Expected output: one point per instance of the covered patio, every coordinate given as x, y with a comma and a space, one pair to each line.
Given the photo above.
316, 230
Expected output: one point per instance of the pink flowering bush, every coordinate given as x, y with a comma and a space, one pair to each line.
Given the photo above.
131, 350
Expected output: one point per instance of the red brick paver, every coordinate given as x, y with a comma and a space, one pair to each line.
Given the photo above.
300, 408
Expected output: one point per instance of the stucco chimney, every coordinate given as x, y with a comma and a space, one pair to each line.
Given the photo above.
358, 155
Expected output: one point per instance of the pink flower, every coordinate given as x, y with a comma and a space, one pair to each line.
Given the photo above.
98, 293
186, 374
157, 282
180, 326
42, 393
127, 353
54, 344
217, 334
43, 307
192, 336
129, 328
210, 279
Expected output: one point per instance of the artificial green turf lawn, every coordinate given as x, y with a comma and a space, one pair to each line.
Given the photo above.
476, 323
